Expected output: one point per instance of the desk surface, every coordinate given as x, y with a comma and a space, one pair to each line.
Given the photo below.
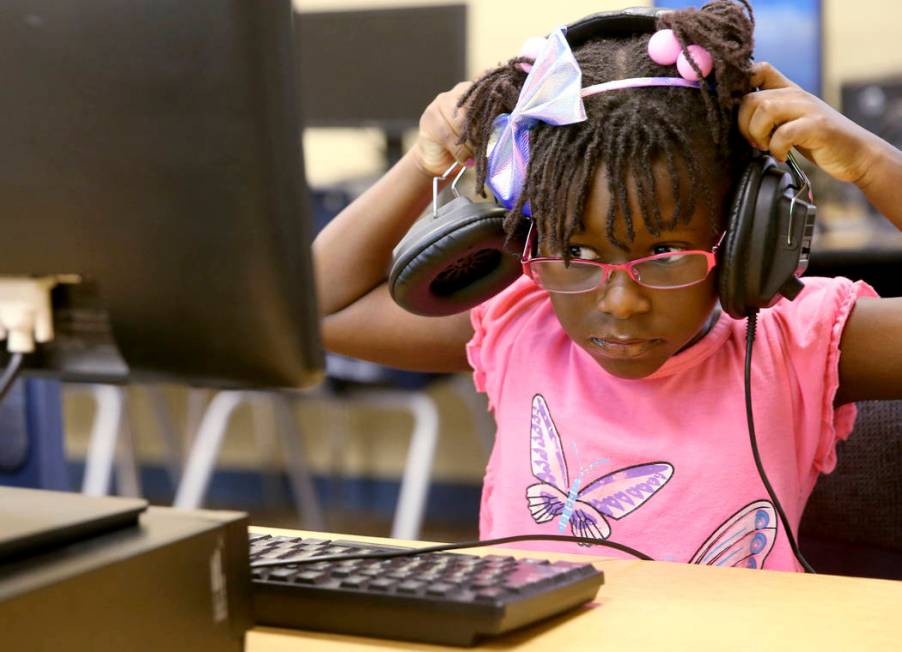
672, 606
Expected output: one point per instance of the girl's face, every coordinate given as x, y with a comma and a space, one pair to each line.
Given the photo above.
629, 329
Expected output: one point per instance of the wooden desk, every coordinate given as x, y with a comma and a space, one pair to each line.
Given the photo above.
671, 606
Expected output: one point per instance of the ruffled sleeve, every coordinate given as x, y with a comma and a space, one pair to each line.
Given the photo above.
497, 324
474, 347
814, 325
838, 422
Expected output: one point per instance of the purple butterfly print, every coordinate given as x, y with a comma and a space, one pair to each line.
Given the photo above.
745, 539
586, 509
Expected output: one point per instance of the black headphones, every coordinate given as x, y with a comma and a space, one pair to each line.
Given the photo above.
460, 256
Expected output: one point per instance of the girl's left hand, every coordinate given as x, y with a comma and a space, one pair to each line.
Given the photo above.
781, 115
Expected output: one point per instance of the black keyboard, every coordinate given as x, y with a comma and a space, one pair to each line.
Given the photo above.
445, 598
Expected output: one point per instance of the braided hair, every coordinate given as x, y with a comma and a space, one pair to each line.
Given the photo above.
628, 130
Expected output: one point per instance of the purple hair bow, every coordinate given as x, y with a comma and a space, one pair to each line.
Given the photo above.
550, 94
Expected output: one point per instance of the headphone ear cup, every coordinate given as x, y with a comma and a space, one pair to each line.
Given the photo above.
454, 261
764, 242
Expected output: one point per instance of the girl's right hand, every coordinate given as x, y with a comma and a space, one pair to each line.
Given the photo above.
437, 145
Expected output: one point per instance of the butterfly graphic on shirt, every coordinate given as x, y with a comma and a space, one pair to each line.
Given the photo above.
744, 539
585, 508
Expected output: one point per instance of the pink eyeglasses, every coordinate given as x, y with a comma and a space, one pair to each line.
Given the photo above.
667, 271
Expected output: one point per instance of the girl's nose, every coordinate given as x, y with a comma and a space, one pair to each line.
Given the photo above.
621, 297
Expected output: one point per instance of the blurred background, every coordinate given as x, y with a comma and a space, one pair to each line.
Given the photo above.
367, 69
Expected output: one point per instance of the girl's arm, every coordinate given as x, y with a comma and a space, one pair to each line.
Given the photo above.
781, 116
351, 258
882, 180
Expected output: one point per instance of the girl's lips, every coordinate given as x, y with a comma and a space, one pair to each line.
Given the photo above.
623, 349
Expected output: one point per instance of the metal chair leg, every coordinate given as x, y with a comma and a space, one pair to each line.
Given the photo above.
109, 401
205, 449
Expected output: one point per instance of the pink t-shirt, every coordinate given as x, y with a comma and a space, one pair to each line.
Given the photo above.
662, 464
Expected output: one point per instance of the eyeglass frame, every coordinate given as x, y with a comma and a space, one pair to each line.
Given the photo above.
609, 268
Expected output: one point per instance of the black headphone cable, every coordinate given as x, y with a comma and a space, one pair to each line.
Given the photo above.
751, 325
408, 552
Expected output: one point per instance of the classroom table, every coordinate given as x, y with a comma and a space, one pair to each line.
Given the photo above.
667, 606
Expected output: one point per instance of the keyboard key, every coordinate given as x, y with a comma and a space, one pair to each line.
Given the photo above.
354, 581
310, 577
491, 594
483, 584
314, 542
458, 578
440, 589
335, 550
281, 574
410, 586
371, 572
381, 584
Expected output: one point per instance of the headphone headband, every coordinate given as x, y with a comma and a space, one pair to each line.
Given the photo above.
615, 24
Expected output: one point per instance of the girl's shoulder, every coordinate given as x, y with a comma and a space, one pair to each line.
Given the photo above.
520, 298
806, 332
822, 300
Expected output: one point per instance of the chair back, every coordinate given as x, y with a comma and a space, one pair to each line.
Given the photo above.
853, 522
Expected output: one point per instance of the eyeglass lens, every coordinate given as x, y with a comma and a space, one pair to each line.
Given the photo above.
669, 271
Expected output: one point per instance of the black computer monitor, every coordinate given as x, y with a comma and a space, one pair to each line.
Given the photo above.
152, 149
378, 67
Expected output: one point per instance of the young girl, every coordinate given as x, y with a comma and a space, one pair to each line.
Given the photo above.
619, 401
